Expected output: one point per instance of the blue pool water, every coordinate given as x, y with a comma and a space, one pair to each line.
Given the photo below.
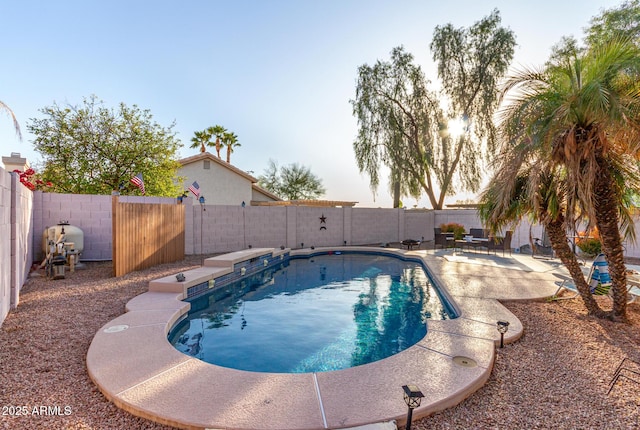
323, 313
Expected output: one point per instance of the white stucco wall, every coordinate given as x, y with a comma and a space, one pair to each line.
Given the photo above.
257, 196
218, 185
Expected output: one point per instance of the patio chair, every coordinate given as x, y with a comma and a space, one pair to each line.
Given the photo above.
478, 233
599, 280
440, 238
503, 243
541, 247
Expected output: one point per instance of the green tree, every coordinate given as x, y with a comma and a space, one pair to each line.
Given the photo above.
292, 182
91, 149
396, 124
16, 126
403, 125
582, 114
470, 64
230, 140
621, 21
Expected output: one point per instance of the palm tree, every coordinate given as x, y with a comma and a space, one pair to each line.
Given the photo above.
230, 140
525, 185
16, 126
218, 131
202, 139
582, 111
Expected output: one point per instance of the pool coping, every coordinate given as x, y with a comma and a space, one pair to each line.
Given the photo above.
135, 366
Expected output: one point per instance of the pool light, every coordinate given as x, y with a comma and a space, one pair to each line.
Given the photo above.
503, 327
412, 397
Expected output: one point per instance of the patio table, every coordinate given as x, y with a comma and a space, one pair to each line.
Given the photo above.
473, 241
410, 243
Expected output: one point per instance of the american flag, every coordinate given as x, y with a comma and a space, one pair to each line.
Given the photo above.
195, 188
138, 182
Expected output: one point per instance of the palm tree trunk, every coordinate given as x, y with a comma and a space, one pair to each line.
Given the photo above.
558, 237
606, 206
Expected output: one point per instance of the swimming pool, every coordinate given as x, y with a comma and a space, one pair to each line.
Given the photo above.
326, 312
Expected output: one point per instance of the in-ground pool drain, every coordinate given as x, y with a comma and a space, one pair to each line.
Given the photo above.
464, 361
116, 328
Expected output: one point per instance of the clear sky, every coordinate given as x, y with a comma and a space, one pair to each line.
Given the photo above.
278, 73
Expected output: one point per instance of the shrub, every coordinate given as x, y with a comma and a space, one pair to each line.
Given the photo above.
455, 228
590, 246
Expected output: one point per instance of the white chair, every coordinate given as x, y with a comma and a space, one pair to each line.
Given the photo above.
598, 278
633, 293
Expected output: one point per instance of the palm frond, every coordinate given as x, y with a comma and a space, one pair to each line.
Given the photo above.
16, 125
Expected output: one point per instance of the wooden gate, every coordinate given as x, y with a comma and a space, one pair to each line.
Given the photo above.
145, 235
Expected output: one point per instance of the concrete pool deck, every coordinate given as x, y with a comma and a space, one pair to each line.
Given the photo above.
133, 364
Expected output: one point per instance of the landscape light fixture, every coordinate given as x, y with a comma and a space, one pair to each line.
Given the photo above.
412, 397
503, 327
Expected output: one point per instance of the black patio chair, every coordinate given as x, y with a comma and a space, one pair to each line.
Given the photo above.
478, 233
541, 247
440, 238
502, 243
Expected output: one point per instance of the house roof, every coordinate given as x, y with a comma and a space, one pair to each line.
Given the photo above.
261, 190
208, 156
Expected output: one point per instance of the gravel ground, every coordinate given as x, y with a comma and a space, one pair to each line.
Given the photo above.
555, 376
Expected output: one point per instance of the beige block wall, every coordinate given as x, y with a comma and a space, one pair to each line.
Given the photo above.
5, 245
16, 202
90, 213
373, 226
227, 228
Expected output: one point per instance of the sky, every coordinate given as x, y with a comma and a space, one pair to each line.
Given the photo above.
278, 73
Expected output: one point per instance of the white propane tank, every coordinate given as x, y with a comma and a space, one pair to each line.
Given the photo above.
71, 236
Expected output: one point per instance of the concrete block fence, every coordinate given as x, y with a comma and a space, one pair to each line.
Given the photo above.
16, 229
24, 216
